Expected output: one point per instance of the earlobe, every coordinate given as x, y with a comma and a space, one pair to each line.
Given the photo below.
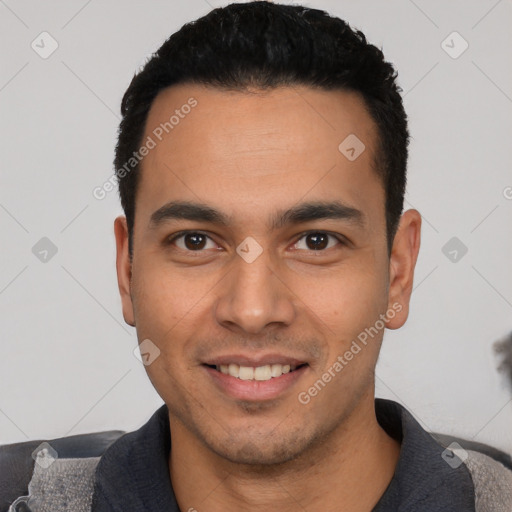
402, 263
124, 269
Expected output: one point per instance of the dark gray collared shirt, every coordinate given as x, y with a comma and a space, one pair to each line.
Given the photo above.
133, 474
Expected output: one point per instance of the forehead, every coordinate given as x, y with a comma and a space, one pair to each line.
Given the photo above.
259, 150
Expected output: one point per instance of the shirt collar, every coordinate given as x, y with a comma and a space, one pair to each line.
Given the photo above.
423, 479
133, 473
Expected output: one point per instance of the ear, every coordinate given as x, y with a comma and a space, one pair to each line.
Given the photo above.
124, 269
402, 262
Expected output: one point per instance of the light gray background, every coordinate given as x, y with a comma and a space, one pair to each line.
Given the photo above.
67, 363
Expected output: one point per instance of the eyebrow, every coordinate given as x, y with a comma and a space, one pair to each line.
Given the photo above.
301, 213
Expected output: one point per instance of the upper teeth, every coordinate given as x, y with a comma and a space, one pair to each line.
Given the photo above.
255, 373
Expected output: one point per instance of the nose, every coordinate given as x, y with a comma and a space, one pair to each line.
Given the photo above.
254, 297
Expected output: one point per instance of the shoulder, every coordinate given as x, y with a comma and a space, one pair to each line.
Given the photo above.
17, 460
492, 482
443, 472
490, 470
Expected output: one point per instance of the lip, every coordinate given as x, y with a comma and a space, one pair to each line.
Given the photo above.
255, 390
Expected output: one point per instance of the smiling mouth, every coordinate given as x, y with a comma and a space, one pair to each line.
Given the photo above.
261, 373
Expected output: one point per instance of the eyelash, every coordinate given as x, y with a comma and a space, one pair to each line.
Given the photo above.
180, 234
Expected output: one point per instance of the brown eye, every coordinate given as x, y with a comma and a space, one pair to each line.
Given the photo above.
192, 241
316, 241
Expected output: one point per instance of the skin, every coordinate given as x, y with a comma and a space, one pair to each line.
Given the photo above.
250, 155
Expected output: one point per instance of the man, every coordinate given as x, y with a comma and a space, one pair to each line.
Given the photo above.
262, 167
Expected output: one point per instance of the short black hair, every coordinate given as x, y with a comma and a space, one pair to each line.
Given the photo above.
267, 45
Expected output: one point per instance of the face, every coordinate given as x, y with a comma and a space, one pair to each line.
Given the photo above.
260, 251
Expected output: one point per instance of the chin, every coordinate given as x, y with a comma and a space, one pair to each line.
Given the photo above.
262, 454
271, 448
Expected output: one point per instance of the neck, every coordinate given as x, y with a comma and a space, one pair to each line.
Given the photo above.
353, 466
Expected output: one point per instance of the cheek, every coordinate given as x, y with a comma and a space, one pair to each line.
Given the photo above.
345, 300
166, 311
166, 302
